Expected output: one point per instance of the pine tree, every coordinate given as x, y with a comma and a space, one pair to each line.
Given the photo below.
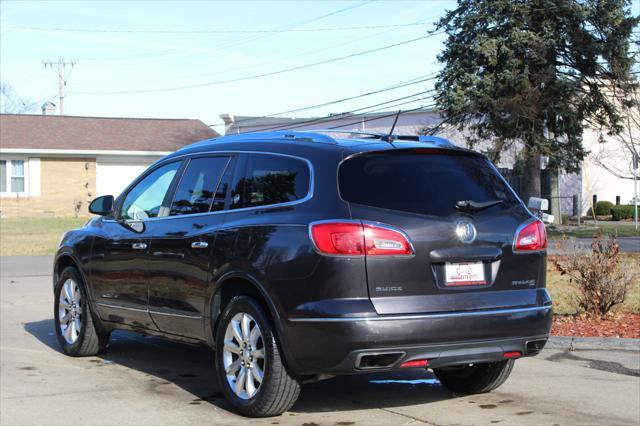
535, 73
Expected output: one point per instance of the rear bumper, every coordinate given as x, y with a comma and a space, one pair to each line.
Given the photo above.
336, 345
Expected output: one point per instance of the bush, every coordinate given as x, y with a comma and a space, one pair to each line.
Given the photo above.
603, 208
622, 212
602, 279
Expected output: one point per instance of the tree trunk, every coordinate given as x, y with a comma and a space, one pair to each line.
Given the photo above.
531, 176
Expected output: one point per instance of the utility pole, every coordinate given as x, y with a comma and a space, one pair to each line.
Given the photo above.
60, 67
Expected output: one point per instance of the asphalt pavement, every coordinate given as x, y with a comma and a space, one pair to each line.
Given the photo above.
141, 380
627, 244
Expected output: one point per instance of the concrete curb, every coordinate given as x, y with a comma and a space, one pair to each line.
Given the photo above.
613, 343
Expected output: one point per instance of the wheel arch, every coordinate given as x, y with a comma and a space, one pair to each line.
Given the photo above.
65, 259
238, 283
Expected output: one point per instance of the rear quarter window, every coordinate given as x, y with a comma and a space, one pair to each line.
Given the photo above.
272, 179
429, 184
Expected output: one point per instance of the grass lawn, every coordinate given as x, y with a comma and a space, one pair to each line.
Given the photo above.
562, 291
28, 237
590, 230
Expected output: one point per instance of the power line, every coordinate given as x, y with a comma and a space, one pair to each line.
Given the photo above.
259, 64
362, 120
421, 79
237, 41
381, 116
352, 113
220, 31
268, 74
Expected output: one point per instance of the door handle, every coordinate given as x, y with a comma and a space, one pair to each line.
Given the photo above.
139, 246
199, 244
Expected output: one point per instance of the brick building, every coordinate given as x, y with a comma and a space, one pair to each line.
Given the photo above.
55, 165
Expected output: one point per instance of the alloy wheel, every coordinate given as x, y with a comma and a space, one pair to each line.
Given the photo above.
243, 355
70, 311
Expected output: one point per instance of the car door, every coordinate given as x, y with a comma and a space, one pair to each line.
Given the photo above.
119, 268
182, 244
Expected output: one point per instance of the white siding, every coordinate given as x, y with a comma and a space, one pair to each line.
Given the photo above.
596, 179
33, 180
113, 175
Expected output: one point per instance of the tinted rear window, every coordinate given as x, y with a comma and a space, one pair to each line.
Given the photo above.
272, 179
428, 184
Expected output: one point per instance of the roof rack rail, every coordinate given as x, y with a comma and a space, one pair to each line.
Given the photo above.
308, 136
349, 132
434, 140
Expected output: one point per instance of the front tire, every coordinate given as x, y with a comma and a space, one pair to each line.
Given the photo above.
250, 368
476, 378
75, 327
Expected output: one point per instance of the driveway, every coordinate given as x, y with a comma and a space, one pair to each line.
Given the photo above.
142, 380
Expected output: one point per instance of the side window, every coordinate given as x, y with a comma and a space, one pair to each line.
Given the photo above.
145, 199
199, 186
272, 179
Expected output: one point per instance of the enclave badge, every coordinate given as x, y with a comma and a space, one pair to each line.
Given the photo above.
465, 231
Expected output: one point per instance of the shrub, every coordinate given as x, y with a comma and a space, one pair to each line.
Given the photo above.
603, 208
601, 277
622, 212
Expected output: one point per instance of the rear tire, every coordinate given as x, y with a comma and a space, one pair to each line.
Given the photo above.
74, 322
476, 378
251, 372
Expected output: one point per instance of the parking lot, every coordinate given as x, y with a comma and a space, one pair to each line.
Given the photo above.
142, 380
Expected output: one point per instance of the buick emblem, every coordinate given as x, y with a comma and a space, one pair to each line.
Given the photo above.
465, 231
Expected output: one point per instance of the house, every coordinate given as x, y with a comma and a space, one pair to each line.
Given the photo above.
594, 178
55, 165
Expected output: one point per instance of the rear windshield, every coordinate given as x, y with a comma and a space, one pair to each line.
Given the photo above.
429, 184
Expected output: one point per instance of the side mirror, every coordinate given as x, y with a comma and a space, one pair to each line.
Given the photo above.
541, 204
102, 206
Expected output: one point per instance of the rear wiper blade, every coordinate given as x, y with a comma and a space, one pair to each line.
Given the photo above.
474, 206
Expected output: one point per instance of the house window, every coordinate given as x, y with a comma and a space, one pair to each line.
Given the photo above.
12, 176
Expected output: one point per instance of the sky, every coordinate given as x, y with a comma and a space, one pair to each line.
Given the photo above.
139, 58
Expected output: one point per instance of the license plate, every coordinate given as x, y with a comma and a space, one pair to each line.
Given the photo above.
459, 274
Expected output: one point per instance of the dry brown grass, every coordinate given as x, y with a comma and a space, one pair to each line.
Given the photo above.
564, 292
29, 237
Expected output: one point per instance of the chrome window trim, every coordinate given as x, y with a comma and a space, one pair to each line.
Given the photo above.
425, 316
309, 196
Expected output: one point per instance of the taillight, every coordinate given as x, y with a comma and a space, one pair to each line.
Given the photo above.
381, 241
531, 237
339, 238
354, 238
